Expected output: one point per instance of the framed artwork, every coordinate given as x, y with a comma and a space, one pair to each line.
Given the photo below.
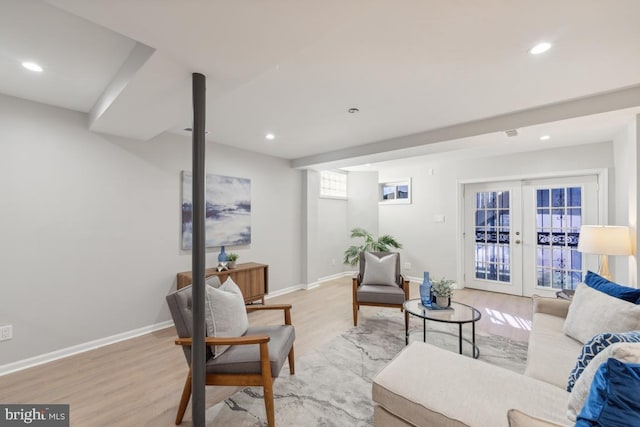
228, 211
395, 192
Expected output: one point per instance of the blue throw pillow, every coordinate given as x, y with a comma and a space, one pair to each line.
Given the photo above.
601, 284
594, 346
613, 396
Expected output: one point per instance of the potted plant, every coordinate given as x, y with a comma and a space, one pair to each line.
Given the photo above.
381, 244
232, 258
442, 289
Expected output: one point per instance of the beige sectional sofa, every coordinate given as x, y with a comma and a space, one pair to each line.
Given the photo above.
428, 386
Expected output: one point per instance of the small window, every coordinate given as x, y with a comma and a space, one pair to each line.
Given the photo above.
333, 184
395, 192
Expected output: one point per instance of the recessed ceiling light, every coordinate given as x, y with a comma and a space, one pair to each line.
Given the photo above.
545, 137
32, 66
540, 48
270, 136
353, 110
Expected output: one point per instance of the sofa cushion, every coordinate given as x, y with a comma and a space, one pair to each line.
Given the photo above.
380, 270
592, 312
611, 288
426, 385
520, 419
225, 313
551, 354
613, 396
594, 346
625, 352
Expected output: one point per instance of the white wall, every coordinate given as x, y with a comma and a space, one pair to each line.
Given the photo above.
626, 179
326, 231
90, 226
432, 246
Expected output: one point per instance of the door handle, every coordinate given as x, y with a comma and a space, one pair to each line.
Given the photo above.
518, 242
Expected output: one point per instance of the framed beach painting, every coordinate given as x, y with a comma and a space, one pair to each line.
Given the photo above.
228, 211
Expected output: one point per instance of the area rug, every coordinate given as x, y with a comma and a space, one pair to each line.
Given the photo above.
332, 385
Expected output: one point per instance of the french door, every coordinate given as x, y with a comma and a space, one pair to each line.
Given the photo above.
521, 237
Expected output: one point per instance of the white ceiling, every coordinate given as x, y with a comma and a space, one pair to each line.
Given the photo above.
416, 69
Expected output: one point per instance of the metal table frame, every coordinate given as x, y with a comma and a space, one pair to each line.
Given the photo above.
423, 314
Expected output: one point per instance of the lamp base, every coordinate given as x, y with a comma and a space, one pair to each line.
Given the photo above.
604, 267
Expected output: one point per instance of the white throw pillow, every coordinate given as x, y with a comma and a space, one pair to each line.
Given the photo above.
225, 313
213, 281
593, 312
623, 351
379, 271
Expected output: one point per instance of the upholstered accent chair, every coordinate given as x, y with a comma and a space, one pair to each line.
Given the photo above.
253, 359
379, 283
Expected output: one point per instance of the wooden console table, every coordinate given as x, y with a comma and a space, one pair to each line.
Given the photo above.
251, 277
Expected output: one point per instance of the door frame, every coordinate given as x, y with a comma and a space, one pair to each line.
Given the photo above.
603, 203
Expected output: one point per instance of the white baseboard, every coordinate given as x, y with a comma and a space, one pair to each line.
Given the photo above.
324, 279
91, 345
308, 286
80, 348
285, 291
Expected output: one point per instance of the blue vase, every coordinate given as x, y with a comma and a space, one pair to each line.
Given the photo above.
425, 290
222, 256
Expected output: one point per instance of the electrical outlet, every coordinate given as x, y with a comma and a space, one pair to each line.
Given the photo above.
6, 332
407, 266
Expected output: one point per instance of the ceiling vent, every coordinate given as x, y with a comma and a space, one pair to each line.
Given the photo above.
511, 132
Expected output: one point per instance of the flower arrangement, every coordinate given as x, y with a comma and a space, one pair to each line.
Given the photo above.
442, 287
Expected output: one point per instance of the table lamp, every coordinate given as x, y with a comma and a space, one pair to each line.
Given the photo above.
604, 240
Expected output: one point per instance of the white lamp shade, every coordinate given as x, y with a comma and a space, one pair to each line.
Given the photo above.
604, 240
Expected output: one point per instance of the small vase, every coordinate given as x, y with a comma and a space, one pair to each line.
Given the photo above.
231, 264
443, 301
425, 290
222, 260
222, 256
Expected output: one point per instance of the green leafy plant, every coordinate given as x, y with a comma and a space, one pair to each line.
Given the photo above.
231, 257
381, 244
442, 287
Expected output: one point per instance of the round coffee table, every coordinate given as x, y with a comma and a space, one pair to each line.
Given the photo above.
458, 313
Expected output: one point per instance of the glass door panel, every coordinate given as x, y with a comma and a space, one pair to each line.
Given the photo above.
559, 206
489, 250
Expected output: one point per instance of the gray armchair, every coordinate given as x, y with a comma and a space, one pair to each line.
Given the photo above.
253, 359
379, 283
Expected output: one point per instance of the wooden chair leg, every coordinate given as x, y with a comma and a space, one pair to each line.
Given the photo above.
184, 400
355, 314
292, 363
268, 403
267, 384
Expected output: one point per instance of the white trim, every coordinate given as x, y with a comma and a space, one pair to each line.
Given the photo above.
324, 279
80, 348
101, 342
414, 279
285, 291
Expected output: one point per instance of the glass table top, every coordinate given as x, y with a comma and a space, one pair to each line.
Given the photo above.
457, 313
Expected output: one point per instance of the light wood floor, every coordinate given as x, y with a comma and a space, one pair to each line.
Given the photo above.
138, 382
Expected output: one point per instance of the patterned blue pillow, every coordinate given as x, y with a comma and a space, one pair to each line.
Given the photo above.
594, 346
